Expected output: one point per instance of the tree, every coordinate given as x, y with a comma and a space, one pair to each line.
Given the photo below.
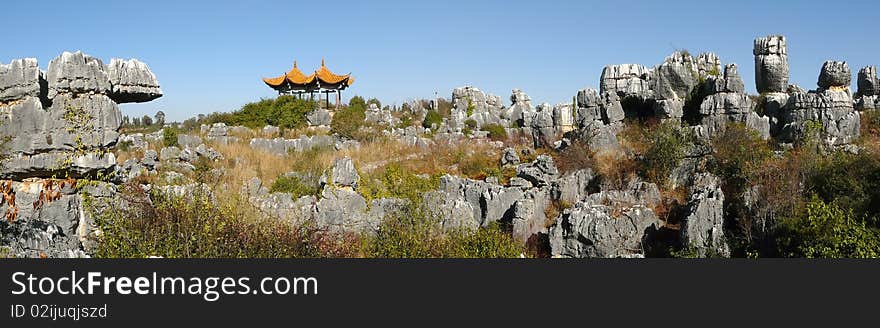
146, 120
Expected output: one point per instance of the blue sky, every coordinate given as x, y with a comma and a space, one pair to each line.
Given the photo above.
210, 55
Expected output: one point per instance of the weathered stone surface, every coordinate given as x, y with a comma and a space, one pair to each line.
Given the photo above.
541, 172
59, 228
834, 74
19, 79
868, 83
675, 77
833, 109
626, 80
542, 125
719, 109
341, 174
729, 81
509, 157
703, 227
590, 229
708, 64
771, 64
318, 117
283, 147
76, 73
132, 81
520, 103
188, 141
574, 186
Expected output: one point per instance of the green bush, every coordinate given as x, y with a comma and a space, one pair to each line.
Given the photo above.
295, 186
849, 181
828, 231
397, 182
432, 117
287, 111
666, 146
169, 137
496, 131
347, 121
739, 155
418, 236
196, 227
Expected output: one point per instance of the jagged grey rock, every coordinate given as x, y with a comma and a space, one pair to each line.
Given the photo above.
590, 229
771, 64
318, 117
76, 73
187, 141
341, 174
574, 186
19, 79
867, 82
708, 64
541, 172
675, 77
509, 157
132, 81
832, 108
703, 227
834, 74
626, 80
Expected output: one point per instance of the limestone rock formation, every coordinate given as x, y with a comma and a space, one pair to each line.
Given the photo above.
771, 64
868, 83
703, 228
626, 80
675, 77
590, 229
833, 110
19, 79
834, 74
541, 172
132, 81
727, 102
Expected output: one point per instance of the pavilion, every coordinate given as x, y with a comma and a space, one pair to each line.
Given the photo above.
295, 82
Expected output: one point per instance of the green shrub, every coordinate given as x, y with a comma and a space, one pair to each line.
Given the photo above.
849, 181
169, 137
432, 117
828, 231
287, 111
418, 236
496, 131
666, 146
347, 121
470, 123
397, 182
295, 186
739, 155
196, 227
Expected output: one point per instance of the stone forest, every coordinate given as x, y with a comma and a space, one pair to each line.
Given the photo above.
672, 160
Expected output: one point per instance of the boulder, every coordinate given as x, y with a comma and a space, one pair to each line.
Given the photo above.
341, 174
771, 64
132, 81
541, 172
509, 157
318, 117
834, 74
590, 229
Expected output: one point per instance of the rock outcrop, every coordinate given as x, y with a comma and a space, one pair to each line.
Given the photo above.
868, 95
771, 64
727, 102
703, 227
63, 123
834, 74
